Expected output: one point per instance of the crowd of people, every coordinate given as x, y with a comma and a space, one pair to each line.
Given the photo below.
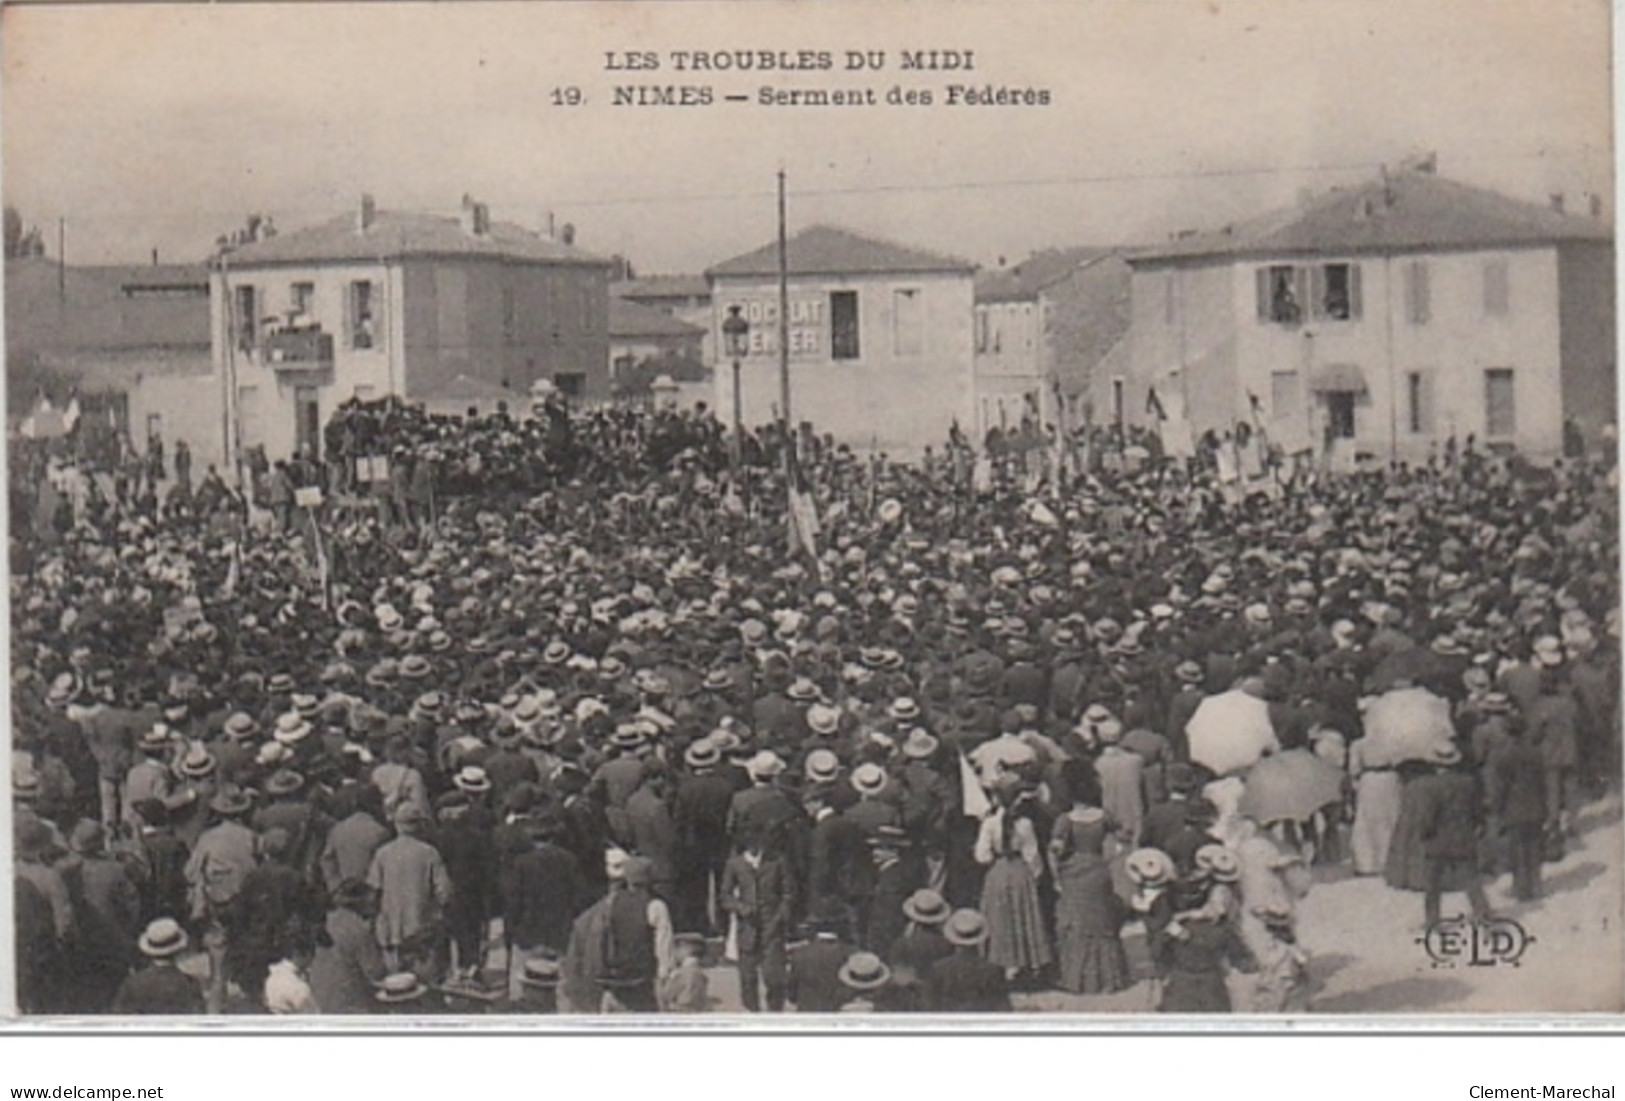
578, 722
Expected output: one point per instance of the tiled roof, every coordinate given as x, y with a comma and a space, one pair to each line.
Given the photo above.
648, 287
629, 319
1411, 211
394, 235
94, 309
826, 250
1022, 282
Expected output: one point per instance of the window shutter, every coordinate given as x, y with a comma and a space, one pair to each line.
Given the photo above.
1317, 292
1355, 301
1262, 281
1300, 287
1425, 401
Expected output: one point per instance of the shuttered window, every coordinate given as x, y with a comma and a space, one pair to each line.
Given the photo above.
1497, 289
1500, 404
1419, 402
1418, 293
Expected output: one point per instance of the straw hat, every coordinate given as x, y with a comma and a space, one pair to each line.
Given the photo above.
966, 928
864, 971
926, 907
869, 778
162, 939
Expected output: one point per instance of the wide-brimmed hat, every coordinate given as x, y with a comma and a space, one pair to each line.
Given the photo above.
197, 763
823, 719
284, 781
764, 765
230, 801
717, 680
1150, 868
415, 667
966, 928
905, 708
702, 754
920, 745
155, 740
822, 766
162, 939
280, 684
803, 689
403, 986
1219, 863
1495, 703
472, 779
1189, 672
864, 971
306, 705
628, 736
291, 728
869, 778
926, 907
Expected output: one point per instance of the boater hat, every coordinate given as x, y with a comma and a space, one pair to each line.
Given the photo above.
162, 938
926, 907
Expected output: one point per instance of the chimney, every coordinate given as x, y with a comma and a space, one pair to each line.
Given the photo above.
366, 214
1557, 201
155, 252
567, 233
476, 217
1594, 202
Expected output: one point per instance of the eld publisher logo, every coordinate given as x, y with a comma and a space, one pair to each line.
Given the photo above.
1468, 942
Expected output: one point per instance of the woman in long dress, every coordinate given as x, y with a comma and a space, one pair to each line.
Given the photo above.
1376, 810
1089, 915
1406, 866
1008, 847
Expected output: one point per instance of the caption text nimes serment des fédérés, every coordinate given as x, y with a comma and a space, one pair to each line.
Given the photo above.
798, 78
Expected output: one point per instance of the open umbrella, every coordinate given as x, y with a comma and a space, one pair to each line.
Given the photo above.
1292, 785
1231, 731
1405, 724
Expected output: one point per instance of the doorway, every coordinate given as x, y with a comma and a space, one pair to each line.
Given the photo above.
1339, 414
307, 423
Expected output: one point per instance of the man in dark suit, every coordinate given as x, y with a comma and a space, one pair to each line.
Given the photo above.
758, 891
965, 982
543, 893
815, 967
699, 815
899, 872
842, 872
1516, 790
1448, 812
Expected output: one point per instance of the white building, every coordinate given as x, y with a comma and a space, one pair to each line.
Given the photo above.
1383, 320
880, 341
416, 305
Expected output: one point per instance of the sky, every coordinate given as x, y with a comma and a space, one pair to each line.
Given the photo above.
150, 126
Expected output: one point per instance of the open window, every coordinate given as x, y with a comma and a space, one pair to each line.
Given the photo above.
843, 325
363, 321
1336, 292
1281, 292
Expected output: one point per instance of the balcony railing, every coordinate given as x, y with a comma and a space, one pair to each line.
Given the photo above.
299, 350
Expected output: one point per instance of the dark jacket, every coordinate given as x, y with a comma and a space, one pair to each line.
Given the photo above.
159, 991
1447, 813
762, 898
966, 983
815, 976
1515, 775
545, 891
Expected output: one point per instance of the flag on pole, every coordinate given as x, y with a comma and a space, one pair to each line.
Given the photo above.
803, 513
